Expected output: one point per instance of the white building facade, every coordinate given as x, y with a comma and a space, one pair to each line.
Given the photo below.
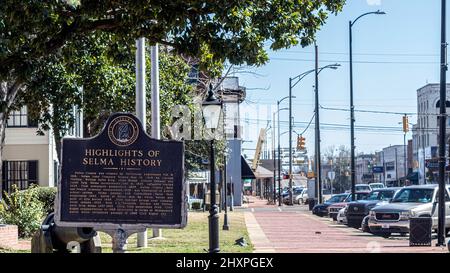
394, 159
425, 132
29, 158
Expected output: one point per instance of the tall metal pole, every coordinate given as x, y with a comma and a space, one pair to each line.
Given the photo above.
155, 106
274, 162
213, 210
442, 130
352, 117
405, 158
290, 143
141, 108
317, 134
279, 154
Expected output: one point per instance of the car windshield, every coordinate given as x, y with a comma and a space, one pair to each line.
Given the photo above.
376, 186
381, 195
414, 196
337, 198
362, 188
359, 196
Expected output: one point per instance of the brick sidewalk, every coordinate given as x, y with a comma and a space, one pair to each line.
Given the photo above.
302, 232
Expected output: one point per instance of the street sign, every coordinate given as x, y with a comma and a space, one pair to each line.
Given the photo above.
377, 169
121, 179
432, 164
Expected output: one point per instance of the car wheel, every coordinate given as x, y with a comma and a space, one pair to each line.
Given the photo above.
300, 201
365, 225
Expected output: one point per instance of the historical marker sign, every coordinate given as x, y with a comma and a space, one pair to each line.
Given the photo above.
122, 178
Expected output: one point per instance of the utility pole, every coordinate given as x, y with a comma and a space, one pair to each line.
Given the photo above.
274, 162
317, 127
352, 107
141, 108
442, 130
291, 201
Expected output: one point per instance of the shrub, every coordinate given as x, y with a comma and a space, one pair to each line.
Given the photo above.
195, 205
23, 210
46, 195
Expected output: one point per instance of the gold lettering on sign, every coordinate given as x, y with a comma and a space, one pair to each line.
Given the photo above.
125, 158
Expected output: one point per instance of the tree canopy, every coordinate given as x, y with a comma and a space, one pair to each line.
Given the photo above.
232, 30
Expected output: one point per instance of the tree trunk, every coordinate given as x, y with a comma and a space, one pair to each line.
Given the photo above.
58, 147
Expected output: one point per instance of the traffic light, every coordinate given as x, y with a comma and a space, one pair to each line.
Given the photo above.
405, 124
301, 143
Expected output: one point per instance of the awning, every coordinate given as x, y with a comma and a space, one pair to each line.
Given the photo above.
262, 172
246, 171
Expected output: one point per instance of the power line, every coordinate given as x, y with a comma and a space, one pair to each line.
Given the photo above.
332, 125
343, 61
382, 112
309, 124
366, 54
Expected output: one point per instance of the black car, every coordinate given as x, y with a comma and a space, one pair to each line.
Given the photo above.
322, 209
357, 210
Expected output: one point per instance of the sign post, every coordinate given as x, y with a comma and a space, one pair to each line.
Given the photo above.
122, 181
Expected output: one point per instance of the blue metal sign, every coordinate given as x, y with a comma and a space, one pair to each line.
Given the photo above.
377, 169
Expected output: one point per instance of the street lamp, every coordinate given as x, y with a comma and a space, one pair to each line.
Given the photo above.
296, 80
352, 113
211, 109
279, 148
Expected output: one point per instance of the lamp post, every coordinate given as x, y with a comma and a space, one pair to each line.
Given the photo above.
352, 113
442, 129
211, 113
279, 148
292, 83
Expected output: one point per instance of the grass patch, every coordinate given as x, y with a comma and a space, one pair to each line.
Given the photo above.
194, 238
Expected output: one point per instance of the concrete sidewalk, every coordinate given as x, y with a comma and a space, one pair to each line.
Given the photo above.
301, 232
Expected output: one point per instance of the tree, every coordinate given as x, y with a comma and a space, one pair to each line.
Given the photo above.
340, 159
99, 87
214, 31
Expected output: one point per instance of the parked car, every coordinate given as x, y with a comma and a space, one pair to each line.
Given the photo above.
296, 191
301, 197
322, 209
375, 186
411, 201
361, 188
357, 210
334, 209
341, 217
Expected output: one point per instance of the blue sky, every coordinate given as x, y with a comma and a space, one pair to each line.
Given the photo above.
394, 55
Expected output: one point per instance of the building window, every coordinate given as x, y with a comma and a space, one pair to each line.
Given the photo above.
390, 166
20, 118
20, 173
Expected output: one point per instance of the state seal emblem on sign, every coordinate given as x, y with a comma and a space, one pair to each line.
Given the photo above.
123, 131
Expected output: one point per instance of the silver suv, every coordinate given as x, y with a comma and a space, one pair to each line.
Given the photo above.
412, 201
